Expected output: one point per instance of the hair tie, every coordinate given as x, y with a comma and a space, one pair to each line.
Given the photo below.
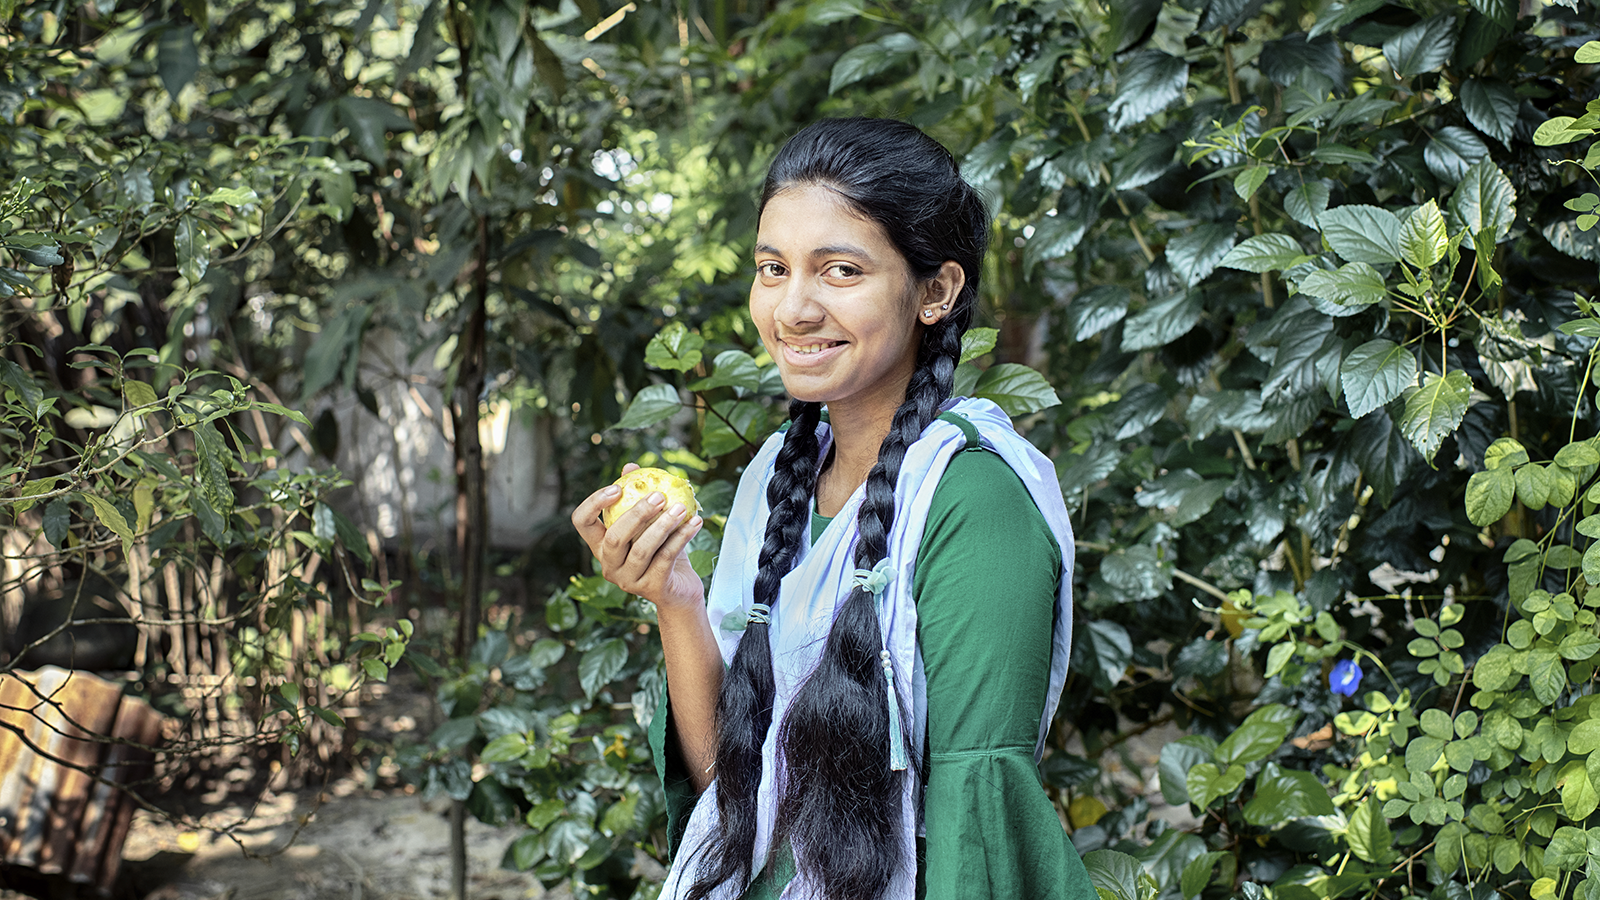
873, 581
760, 614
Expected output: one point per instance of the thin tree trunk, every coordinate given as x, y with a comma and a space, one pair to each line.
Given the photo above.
472, 508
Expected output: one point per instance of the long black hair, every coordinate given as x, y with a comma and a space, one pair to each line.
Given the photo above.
840, 801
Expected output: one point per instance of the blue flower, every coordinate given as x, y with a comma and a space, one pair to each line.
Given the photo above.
1345, 678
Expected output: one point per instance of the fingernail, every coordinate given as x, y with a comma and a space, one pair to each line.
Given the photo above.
657, 498
677, 510
611, 491
696, 522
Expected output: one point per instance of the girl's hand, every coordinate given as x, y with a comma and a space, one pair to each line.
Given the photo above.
645, 552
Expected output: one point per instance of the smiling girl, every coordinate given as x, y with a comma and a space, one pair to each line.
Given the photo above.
857, 709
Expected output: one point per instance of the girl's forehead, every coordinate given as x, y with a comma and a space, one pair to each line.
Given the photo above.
807, 217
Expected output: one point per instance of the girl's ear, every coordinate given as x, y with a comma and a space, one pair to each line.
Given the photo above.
939, 294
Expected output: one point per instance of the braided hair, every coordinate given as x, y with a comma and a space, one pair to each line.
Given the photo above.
840, 800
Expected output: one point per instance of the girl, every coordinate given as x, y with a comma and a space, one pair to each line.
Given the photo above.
858, 708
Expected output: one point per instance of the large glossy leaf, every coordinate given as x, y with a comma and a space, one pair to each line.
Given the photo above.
1375, 373
1284, 794
1129, 22
1435, 409
177, 58
1163, 321
674, 348
1338, 15
1422, 236
652, 404
1381, 452
732, 368
1491, 107
600, 665
1484, 200
194, 253
1139, 408
1501, 12
1368, 833
1228, 14
1057, 234
1150, 156
1489, 495
1177, 758
1306, 203
1361, 233
1255, 739
1195, 255
1016, 388
1149, 83
1109, 651
1352, 284
868, 60
1452, 152
1423, 47
1264, 253
1206, 783
1097, 309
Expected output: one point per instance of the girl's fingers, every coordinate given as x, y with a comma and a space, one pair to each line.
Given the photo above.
648, 545
675, 543
586, 517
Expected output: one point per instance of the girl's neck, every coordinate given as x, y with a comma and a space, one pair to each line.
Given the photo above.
857, 437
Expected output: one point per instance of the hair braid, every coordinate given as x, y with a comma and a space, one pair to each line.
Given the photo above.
744, 705
841, 801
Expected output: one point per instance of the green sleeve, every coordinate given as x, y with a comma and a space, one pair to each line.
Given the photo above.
985, 586
673, 772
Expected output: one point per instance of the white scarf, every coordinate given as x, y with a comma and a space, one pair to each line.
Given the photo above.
822, 579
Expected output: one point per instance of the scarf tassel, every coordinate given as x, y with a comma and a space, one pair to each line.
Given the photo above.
898, 761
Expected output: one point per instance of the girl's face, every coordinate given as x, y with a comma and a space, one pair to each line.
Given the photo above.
835, 302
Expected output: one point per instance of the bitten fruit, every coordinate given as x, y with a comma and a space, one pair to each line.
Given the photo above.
640, 483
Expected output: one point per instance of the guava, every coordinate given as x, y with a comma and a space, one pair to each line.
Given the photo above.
640, 483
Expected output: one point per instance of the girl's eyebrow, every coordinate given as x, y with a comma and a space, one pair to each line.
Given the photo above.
831, 250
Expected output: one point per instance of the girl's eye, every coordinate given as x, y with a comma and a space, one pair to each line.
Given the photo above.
842, 270
769, 270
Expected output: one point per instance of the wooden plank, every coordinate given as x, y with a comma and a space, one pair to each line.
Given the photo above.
35, 775
140, 723
91, 702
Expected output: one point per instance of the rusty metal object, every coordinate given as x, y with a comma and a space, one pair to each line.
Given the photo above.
65, 739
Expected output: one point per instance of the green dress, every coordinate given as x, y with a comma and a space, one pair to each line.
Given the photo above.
985, 590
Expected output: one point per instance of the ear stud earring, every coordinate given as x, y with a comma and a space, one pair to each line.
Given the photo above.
945, 306
926, 313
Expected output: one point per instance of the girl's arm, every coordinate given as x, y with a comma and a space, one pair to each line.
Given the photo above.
645, 552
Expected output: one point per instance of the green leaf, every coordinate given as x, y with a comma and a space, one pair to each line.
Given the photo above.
976, 342
137, 393
194, 254
1452, 151
1037, 72
652, 404
1504, 453
1196, 254
1422, 236
111, 518
1257, 737
1055, 236
1278, 657
1149, 83
369, 120
1118, 876
599, 666
57, 520
1163, 321
1111, 651
1578, 796
177, 59
1283, 794
1585, 737
1491, 107
1579, 646
1374, 374
1352, 284
1197, 873
732, 368
1148, 159
505, 748
868, 60
1558, 130
1246, 183
1533, 486
1578, 455
1263, 253
1206, 783
21, 383
1097, 309
1489, 495
1423, 47
1368, 833
674, 348
1016, 388
1177, 758
1546, 675
1306, 203
732, 425
1434, 410
1361, 233
1588, 54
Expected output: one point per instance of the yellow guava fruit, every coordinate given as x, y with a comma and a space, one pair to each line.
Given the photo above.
641, 483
